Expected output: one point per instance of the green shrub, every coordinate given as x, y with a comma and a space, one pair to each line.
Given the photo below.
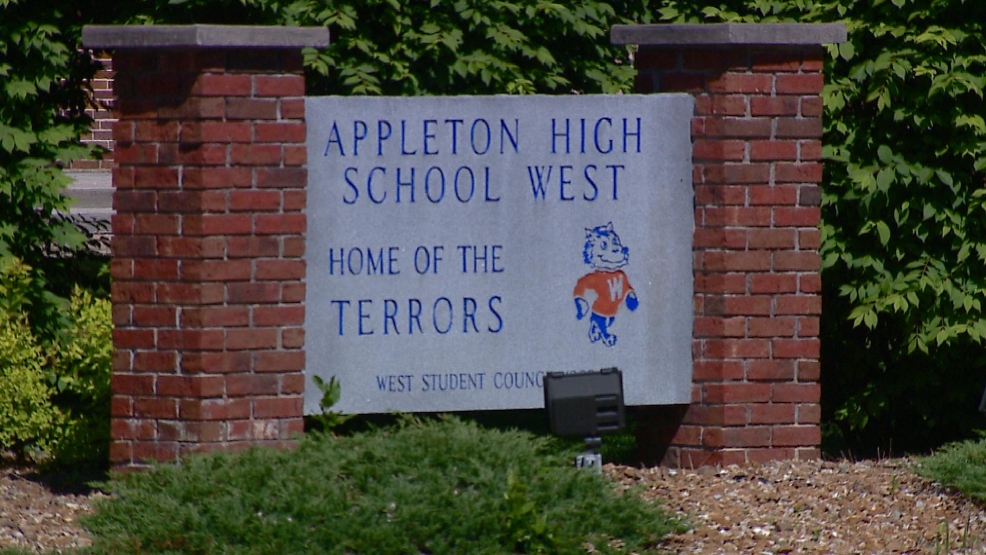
438, 486
958, 465
26, 412
439, 47
54, 394
81, 366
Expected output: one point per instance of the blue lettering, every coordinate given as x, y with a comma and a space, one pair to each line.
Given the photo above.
349, 259
436, 254
472, 136
381, 137
451, 382
340, 260
413, 315
358, 135
499, 320
555, 135
342, 305
404, 151
472, 184
542, 178
418, 267
592, 183
581, 135
428, 136
392, 268
334, 138
627, 133
485, 258
441, 177
369, 185
400, 383
444, 318
518, 380
364, 316
596, 136
505, 131
488, 198
455, 134
476, 258
351, 186
563, 180
464, 249
469, 314
355, 261
495, 258
374, 265
434, 315
615, 169
408, 184
390, 316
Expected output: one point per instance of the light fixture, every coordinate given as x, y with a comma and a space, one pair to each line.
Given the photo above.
587, 405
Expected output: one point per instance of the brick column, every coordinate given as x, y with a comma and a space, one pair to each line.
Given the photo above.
756, 136
208, 275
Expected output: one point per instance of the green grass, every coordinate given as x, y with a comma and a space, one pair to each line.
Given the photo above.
959, 465
425, 486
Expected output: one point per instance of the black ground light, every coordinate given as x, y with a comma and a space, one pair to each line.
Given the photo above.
586, 404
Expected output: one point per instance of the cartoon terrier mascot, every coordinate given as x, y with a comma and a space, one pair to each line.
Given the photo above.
606, 287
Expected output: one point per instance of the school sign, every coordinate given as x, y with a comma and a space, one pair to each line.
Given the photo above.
459, 248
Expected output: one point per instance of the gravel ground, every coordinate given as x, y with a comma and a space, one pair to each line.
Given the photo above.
781, 507
34, 517
813, 507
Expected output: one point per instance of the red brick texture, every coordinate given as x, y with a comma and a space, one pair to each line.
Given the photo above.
756, 136
208, 245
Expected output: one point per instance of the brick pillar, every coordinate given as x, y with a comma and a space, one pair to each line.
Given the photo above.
756, 136
208, 275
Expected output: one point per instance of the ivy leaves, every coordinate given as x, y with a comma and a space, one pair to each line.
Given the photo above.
920, 92
42, 102
441, 47
392, 47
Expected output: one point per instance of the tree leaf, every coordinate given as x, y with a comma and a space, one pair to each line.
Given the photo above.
884, 231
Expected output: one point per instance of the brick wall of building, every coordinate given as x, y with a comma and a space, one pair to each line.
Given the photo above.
103, 115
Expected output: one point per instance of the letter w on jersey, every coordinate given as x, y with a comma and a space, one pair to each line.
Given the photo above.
615, 288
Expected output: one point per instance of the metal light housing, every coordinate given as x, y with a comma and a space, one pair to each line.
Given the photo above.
584, 404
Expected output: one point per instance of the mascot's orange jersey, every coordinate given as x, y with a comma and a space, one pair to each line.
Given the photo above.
610, 288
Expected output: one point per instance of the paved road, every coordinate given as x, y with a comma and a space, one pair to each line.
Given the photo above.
93, 194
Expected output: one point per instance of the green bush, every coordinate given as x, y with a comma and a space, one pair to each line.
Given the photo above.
81, 366
959, 465
26, 412
438, 486
54, 394
438, 47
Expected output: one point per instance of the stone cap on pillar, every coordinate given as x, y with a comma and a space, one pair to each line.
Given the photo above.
724, 34
115, 37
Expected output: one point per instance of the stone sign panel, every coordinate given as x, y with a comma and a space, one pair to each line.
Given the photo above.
461, 247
